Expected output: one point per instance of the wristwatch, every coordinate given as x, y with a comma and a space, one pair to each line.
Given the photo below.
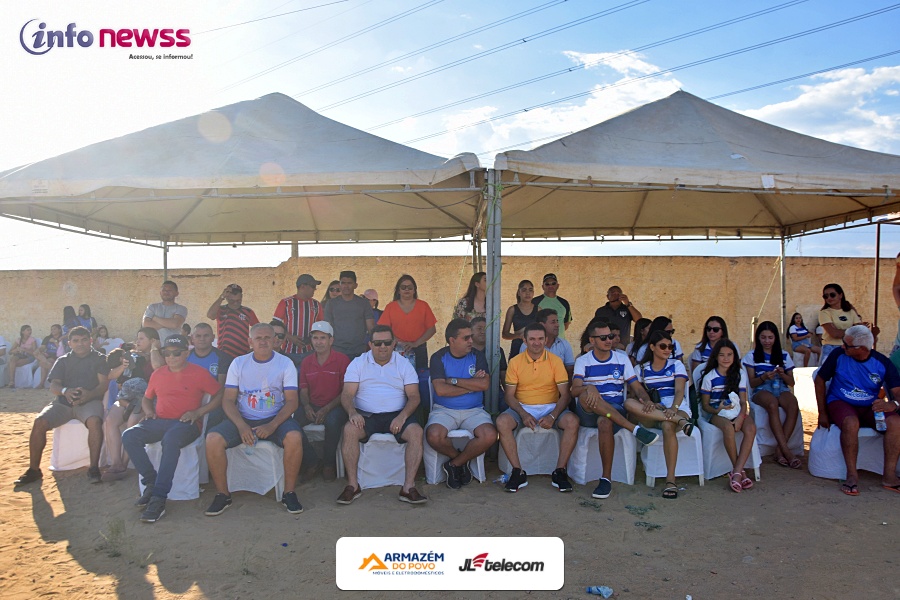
63, 392
454, 381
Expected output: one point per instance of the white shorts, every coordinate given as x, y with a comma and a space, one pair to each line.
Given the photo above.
450, 418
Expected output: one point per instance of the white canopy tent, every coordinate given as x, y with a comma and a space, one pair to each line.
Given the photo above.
683, 167
268, 170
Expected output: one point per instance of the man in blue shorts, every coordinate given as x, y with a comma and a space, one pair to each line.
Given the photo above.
381, 394
460, 377
857, 373
599, 384
260, 397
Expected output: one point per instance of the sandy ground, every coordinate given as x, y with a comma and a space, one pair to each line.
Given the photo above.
792, 536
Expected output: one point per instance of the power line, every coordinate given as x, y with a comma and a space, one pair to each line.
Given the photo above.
710, 98
424, 49
605, 59
663, 72
496, 49
331, 44
271, 17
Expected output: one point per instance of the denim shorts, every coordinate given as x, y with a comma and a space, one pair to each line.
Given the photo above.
228, 430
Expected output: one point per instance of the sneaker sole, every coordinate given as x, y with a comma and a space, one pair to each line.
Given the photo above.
216, 514
514, 490
656, 439
563, 490
293, 512
600, 496
408, 501
18, 483
161, 515
346, 502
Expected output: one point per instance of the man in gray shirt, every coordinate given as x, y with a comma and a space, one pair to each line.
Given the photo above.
351, 316
166, 317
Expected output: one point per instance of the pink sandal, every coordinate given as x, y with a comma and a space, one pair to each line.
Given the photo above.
746, 482
735, 485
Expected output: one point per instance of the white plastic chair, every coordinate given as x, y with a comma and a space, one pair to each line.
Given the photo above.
28, 376
715, 458
584, 464
690, 457
70, 447
538, 451
765, 439
191, 470
259, 471
433, 459
827, 461
382, 462
798, 359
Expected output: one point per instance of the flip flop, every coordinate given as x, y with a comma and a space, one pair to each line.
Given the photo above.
735, 485
782, 461
892, 488
746, 482
671, 491
850, 490
796, 463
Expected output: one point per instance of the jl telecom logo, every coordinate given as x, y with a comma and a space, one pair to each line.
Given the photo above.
474, 563
43, 40
481, 561
374, 561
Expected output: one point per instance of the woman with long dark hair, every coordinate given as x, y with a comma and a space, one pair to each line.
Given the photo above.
474, 302
661, 324
770, 374
641, 333
21, 353
85, 319
723, 395
802, 339
411, 320
836, 316
332, 291
714, 330
520, 314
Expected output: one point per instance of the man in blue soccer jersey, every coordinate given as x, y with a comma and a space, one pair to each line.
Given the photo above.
857, 373
599, 384
459, 375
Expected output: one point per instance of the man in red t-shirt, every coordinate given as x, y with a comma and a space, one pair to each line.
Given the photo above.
233, 321
174, 418
321, 384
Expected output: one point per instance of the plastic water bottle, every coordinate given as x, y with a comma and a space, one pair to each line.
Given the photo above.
502, 479
248, 450
600, 590
880, 425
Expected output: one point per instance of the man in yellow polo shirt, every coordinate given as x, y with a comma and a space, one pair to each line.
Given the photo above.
537, 392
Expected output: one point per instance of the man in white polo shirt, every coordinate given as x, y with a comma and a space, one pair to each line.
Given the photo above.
381, 394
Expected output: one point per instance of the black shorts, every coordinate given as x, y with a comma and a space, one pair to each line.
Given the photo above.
381, 423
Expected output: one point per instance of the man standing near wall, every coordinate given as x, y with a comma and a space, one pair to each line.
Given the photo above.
233, 321
298, 313
549, 299
166, 317
618, 311
351, 317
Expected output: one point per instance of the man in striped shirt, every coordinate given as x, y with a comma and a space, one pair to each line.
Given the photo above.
298, 313
233, 321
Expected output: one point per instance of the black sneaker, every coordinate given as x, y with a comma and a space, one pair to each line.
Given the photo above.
290, 501
29, 476
560, 480
93, 475
156, 508
517, 480
603, 489
645, 436
465, 474
452, 472
144, 500
218, 506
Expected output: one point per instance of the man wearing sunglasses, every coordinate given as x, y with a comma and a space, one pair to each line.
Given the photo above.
619, 311
173, 414
381, 394
857, 373
233, 321
460, 377
599, 383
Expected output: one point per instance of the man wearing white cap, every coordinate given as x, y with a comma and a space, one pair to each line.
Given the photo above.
321, 384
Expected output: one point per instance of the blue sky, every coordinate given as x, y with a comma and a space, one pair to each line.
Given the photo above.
69, 98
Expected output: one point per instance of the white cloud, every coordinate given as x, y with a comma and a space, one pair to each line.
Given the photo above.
478, 46
399, 69
850, 106
627, 64
541, 123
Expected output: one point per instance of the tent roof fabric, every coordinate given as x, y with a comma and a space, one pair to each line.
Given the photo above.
268, 169
685, 166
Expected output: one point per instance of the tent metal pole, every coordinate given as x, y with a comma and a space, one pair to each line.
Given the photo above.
474, 254
877, 269
295, 249
494, 265
165, 249
783, 291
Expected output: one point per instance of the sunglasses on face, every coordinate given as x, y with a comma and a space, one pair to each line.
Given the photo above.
407, 287
175, 353
714, 329
850, 346
666, 346
379, 343
466, 338
334, 289
603, 338
828, 295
